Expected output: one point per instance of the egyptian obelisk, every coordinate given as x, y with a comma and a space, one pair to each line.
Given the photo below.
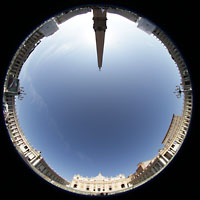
99, 17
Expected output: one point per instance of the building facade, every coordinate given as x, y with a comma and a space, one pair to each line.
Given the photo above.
170, 137
61, 18
29, 154
172, 142
100, 184
124, 13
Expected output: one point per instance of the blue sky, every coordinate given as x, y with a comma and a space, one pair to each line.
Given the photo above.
86, 121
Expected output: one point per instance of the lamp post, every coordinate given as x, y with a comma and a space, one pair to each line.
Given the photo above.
21, 93
178, 91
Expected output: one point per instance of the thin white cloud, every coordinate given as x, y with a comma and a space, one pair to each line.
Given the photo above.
30, 90
62, 49
59, 133
83, 157
36, 98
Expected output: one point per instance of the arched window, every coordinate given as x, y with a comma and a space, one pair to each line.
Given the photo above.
122, 186
75, 185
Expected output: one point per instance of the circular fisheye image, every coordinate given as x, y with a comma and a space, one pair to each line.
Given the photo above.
97, 100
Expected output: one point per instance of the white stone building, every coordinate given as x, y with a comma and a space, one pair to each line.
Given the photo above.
172, 142
100, 184
30, 155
